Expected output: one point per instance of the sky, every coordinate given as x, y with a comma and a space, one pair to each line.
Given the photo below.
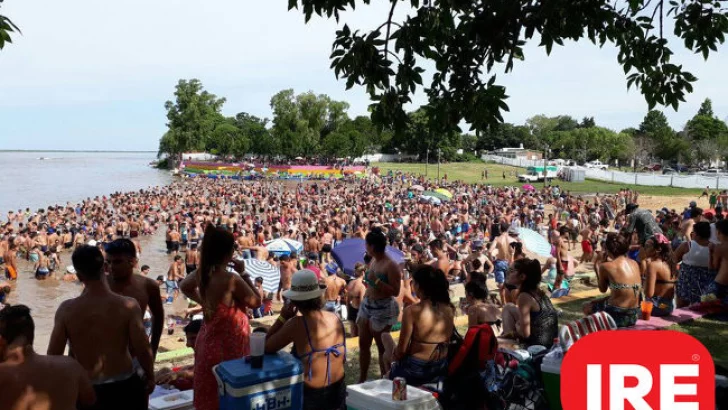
94, 75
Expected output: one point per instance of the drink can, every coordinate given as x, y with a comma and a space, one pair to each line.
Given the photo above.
399, 389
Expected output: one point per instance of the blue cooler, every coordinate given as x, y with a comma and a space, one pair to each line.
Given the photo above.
278, 385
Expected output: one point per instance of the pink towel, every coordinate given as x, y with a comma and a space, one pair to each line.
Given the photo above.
678, 316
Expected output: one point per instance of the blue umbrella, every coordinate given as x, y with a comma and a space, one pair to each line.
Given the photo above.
284, 246
534, 242
351, 251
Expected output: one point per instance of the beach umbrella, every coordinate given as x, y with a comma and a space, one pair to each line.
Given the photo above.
351, 251
284, 246
431, 199
444, 191
437, 195
271, 274
417, 188
534, 242
528, 187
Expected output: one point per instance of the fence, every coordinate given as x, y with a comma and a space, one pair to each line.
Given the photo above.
631, 178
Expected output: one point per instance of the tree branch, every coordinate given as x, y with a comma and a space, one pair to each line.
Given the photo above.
393, 54
389, 26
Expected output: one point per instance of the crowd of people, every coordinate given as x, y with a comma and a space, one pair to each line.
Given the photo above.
212, 225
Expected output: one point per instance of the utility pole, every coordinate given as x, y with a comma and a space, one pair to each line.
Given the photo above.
427, 160
438, 166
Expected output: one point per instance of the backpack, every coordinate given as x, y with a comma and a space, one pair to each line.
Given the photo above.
470, 359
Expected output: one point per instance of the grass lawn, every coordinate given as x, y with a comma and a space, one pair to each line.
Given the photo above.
471, 172
711, 333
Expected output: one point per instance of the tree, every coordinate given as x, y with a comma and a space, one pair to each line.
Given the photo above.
6, 28
301, 122
706, 108
705, 126
664, 143
226, 139
587, 122
191, 118
254, 128
467, 41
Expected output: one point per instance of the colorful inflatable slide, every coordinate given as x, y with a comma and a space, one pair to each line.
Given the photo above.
249, 170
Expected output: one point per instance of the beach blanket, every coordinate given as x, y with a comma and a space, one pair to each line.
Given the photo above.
678, 316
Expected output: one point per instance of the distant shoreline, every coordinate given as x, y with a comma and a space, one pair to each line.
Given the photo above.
76, 150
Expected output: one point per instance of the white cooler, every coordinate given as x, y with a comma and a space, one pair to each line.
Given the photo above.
175, 401
377, 395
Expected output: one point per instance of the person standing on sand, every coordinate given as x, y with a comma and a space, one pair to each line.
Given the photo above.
333, 295
101, 328
121, 259
502, 252
287, 267
354, 294
379, 310
11, 263
191, 258
33, 381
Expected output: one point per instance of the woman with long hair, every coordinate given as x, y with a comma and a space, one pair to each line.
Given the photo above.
621, 275
660, 275
225, 298
421, 354
533, 319
379, 310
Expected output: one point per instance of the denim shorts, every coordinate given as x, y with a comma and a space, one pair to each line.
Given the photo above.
500, 267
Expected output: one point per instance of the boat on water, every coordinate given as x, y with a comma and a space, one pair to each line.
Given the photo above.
43, 158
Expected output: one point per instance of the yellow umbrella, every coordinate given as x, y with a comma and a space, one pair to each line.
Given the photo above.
444, 191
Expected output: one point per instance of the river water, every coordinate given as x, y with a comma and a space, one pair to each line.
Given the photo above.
29, 182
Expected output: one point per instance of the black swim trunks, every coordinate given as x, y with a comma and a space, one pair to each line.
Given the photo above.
128, 394
326, 248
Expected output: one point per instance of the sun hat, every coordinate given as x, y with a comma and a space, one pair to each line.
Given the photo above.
304, 286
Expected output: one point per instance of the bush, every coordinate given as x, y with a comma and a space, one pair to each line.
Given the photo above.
162, 164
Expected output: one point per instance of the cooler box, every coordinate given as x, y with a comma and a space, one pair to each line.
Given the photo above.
278, 385
551, 376
377, 395
174, 401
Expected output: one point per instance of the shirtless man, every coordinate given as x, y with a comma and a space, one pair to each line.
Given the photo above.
11, 263
121, 259
245, 244
313, 245
174, 274
334, 287
102, 328
560, 240
354, 294
327, 241
502, 253
191, 258
441, 262
33, 381
288, 267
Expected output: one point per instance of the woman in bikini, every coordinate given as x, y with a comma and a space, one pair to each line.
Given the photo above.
479, 309
319, 341
620, 274
421, 354
660, 275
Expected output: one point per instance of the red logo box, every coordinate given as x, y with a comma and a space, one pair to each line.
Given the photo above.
638, 370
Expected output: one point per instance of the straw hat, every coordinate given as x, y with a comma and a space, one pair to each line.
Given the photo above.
304, 286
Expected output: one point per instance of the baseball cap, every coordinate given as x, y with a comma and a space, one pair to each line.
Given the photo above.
693, 204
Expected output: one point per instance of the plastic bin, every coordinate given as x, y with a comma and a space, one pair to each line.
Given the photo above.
551, 377
377, 395
278, 385
174, 401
